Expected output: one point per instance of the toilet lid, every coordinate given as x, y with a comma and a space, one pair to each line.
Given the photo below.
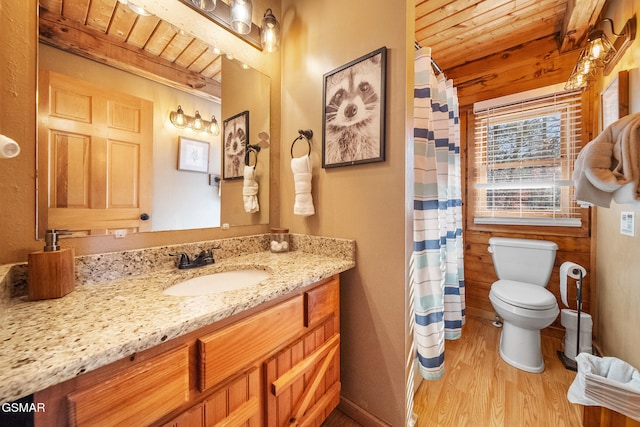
524, 295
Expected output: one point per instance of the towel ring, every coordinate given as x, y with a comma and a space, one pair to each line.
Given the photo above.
303, 134
255, 149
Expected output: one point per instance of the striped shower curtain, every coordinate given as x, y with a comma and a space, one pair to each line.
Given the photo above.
437, 272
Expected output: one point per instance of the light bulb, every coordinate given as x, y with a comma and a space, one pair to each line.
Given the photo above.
270, 32
206, 5
241, 11
197, 124
178, 118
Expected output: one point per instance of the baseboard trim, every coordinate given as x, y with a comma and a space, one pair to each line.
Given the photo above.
359, 415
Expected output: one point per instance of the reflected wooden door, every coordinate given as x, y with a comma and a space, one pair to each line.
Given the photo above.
95, 157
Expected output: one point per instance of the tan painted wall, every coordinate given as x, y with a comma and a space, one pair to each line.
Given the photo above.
618, 269
362, 202
18, 71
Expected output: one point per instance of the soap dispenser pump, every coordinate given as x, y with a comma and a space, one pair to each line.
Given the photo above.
51, 270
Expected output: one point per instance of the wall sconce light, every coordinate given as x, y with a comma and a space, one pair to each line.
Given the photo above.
270, 32
601, 53
178, 118
214, 128
196, 123
241, 11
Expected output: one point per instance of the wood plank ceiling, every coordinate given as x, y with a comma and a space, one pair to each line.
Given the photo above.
476, 42
110, 32
479, 42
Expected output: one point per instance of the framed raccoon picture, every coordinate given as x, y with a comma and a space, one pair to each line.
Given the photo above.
353, 124
236, 140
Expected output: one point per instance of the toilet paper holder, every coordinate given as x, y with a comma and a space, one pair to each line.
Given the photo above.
578, 272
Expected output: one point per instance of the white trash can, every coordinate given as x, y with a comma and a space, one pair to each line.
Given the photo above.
569, 319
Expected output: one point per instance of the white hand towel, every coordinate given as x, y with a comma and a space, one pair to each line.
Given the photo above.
303, 204
250, 190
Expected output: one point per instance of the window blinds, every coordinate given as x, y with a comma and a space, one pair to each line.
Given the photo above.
524, 157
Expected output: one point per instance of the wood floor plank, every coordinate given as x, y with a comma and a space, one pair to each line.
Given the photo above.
479, 389
489, 392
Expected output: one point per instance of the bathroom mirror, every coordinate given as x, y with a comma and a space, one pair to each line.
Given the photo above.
207, 82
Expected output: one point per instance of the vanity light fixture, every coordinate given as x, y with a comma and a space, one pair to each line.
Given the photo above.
270, 32
241, 11
235, 16
600, 53
180, 120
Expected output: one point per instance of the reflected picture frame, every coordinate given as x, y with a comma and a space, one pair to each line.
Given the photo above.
354, 111
234, 145
193, 155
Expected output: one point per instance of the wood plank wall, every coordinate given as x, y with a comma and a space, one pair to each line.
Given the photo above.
573, 244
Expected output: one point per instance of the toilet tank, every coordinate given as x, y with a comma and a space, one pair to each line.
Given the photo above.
523, 260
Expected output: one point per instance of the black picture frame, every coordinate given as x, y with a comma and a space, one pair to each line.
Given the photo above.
234, 146
354, 111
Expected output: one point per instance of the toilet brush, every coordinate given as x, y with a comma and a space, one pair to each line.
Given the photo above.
567, 362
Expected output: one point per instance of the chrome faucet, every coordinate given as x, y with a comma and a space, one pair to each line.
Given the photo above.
203, 258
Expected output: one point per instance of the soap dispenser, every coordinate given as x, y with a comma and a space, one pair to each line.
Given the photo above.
51, 270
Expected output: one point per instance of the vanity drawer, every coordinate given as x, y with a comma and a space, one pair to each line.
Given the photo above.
228, 351
320, 302
137, 396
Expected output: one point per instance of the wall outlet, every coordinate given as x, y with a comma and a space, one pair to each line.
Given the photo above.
120, 234
627, 223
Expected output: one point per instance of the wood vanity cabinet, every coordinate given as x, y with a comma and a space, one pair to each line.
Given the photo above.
275, 365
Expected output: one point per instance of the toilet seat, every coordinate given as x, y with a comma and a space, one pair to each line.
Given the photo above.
524, 295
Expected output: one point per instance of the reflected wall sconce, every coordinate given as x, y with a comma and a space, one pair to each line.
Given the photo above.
206, 5
600, 53
180, 120
270, 32
236, 18
140, 10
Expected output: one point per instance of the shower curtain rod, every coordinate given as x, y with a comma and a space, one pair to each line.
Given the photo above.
438, 69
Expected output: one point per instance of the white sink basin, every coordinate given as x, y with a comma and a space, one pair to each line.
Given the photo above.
217, 283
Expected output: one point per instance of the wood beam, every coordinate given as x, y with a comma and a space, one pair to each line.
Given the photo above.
62, 33
529, 65
577, 21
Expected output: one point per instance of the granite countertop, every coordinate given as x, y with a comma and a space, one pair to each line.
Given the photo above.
43, 343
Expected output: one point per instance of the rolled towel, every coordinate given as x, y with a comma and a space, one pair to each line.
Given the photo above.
303, 204
250, 190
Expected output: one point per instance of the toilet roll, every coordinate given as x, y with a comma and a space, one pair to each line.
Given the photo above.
8, 148
569, 269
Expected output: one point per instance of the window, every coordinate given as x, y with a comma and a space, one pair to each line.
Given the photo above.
525, 149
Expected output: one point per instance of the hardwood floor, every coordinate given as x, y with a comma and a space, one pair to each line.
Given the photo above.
479, 389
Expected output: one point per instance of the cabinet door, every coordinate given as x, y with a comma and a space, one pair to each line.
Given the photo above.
304, 379
194, 417
236, 404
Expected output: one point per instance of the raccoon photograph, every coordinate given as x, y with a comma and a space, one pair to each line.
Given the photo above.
354, 100
236, 134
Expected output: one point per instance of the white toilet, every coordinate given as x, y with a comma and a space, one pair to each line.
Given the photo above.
519, 297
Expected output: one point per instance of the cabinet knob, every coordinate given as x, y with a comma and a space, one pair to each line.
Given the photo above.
145, 217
